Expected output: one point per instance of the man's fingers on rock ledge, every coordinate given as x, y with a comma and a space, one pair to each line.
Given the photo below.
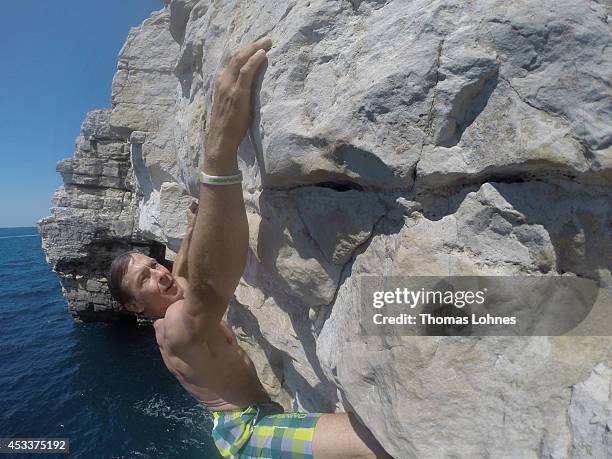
241, 57
249, 70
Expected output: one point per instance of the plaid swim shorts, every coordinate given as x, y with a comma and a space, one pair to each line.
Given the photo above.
264, 431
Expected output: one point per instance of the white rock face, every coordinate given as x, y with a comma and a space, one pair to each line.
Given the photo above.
590, 414
439, 137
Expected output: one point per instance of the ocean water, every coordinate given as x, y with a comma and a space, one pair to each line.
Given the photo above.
102, 386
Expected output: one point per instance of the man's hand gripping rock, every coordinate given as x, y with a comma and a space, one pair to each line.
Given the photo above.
232, 100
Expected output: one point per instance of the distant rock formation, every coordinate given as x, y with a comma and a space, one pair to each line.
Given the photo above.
439, 137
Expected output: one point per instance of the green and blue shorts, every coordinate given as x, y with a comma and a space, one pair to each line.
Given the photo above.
264, 431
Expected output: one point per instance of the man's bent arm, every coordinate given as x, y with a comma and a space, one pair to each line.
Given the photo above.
219, 244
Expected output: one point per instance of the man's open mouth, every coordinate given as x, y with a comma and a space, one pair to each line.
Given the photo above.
169, 286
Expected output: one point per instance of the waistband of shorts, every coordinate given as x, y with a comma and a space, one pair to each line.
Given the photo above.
267, 407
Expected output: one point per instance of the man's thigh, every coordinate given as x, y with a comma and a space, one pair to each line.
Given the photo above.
341, 436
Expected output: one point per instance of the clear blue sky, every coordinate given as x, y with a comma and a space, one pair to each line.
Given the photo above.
57, 61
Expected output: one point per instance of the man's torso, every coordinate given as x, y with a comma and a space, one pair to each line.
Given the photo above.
216, 371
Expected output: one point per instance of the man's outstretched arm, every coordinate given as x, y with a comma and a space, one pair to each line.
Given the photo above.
218, 250
180, 265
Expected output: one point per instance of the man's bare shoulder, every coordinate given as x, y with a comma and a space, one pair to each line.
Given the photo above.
179, 331
171, 331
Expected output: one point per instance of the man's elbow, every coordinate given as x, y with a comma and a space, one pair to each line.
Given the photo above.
222, 283
203, 311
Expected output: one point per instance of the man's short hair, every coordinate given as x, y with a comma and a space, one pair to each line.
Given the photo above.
116, 273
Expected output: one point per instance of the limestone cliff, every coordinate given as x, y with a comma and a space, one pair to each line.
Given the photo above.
390, 137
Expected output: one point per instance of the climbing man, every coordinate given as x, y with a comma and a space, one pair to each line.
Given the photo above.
189, 302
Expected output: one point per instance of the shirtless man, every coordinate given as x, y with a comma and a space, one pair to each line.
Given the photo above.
189, 303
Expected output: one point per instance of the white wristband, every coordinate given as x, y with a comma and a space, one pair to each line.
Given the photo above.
219, 179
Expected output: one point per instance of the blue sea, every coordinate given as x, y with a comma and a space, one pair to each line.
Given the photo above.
102, 386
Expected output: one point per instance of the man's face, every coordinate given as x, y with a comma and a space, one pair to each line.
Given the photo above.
152, 286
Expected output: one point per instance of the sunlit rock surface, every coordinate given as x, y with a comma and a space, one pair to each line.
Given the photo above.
388, 138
